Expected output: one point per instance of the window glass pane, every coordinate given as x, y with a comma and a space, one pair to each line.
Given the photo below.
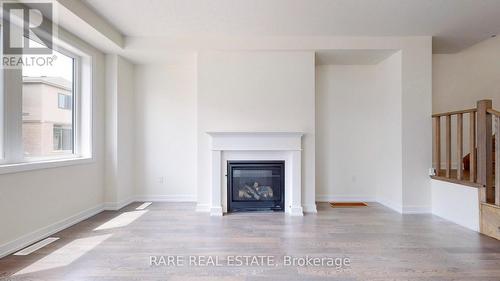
48, 107
64, 101
63, 137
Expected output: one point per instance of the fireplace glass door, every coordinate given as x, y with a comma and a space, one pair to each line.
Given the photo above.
255, 185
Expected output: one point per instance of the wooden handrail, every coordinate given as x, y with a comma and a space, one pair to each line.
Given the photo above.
494, 112
455, 181
454, 112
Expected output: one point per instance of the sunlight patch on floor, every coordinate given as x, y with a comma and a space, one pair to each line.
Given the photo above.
121, 220
144, 206
65, 255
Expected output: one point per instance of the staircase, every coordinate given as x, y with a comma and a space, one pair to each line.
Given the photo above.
466, 161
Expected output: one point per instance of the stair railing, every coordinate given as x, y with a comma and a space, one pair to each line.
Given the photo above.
484, 133
447, 171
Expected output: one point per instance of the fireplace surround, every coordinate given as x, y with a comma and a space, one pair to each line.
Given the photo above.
256, 146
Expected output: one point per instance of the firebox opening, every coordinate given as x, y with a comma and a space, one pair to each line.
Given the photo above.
256, 186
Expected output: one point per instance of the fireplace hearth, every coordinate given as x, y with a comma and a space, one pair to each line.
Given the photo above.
255, 186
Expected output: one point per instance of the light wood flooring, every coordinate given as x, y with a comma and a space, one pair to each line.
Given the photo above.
380, 243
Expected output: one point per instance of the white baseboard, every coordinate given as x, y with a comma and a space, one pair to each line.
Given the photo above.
404, 209
416, 210
115, 206
44, 232
330, 198
167, 198
390, 204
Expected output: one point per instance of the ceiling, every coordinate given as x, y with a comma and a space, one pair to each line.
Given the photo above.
455, 24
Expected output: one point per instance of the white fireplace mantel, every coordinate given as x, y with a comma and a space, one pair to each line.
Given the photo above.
285, 146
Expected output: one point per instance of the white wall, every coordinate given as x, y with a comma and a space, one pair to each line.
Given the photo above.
111, 128
125, 130
388, 134
358, 132
416, 124
345, 117
35, 203
256, 91
120, 124
461, 79
165, 132
230, 83
416, 107
456, 203
416, 102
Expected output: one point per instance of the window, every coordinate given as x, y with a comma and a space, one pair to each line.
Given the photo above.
42, 88
64, 101
47, 110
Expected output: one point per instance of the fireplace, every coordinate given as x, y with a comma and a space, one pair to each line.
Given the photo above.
255, 186
248, 147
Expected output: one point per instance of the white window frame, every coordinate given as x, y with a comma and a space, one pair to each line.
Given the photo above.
12, 157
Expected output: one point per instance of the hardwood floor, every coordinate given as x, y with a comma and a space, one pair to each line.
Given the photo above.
380, 243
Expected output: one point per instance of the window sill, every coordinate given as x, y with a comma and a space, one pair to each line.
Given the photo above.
44, 164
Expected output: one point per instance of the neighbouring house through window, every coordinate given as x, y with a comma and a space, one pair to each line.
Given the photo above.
47, 106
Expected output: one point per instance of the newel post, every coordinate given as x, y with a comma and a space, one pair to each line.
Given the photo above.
485, 151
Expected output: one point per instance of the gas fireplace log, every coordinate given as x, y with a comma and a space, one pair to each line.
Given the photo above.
252, 192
